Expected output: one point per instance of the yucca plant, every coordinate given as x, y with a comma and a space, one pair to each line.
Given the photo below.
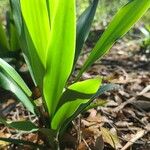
51, 41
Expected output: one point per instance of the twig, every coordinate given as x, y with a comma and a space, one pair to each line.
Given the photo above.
86, 144
137, 136
79, 129
121, 106
145, 90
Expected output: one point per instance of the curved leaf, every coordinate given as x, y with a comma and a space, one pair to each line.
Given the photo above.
61, 51
121, 23
83, 27
24, 126
110, 138
22, 142
76, 94
20, 125
10, 80
15, 76
83, 106
105, 88
8, 84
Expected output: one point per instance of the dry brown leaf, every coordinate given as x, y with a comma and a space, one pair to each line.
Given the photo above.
110, 138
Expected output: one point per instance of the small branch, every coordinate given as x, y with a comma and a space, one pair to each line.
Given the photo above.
137, 136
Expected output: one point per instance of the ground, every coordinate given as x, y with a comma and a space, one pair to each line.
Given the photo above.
122, 119
127, 110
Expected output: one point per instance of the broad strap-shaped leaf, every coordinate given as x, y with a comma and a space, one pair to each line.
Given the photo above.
20, 125
8, 84
10, 80
83, 106
105, 88
35, 66
36, 18
76, 94
30, 53
126, 17
24, 126
83, 27
61, 51
22, 142
10, 71
4, 45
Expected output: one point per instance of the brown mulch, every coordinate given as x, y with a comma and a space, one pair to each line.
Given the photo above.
122, 124
127, 112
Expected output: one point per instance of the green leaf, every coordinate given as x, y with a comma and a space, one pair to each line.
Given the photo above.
101, 90
4, 46
10, 80
20, 125
98, 103
22, 142
36, 68
83, 27
35, 65
121, 24
16, 12
10, 71
8, 84
24, 126
61, 51
37, 23
105, 88
14, 43
76, 94
12, 33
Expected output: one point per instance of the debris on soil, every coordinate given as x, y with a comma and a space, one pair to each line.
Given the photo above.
122, 121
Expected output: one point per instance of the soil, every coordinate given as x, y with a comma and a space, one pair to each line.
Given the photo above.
122, 119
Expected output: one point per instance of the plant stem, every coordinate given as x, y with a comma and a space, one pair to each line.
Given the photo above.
57, 141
